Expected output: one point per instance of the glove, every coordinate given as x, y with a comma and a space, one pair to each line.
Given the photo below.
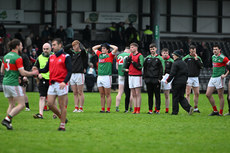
129, 60
137, 65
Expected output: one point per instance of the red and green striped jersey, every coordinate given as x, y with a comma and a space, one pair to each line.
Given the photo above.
219, 62
120, 61
105, 62
12, 63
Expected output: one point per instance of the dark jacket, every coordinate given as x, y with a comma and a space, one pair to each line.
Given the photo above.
179, 72
79, 60
153, 70
168, 64
194, 66
26, 62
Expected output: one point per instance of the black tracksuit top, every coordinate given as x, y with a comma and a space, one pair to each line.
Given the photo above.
179, 72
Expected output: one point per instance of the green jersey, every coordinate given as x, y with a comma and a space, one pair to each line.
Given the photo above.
219, 62
120, 61
12, 63
105, 62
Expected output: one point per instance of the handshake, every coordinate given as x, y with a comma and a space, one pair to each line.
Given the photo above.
35, 71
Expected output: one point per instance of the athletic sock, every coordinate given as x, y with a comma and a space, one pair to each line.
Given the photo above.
138, 109
45, 107
135, 109
65, 106
81, 107
76, 107
62, 125
167, 110
103, 108
108, 109
151, 111
195, 107
9, 118
215, 109
155, 108
27, 104
221, 112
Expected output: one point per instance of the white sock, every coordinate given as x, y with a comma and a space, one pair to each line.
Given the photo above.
7, 118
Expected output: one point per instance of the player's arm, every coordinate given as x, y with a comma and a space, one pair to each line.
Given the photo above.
115, 48
140, 63
199, 61
95, 48
162, 68
69, 72
173, 72
37, 67
163, 65
45, 69
69, 69
19, 65
2, 68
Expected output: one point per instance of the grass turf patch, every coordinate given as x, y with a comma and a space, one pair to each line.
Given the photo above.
92, 131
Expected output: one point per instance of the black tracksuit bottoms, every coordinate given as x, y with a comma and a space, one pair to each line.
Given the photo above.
178, 97
228, 103
154, 88
127, 92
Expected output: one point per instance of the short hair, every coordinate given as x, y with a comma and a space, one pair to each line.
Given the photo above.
105, 45
165, 50
152, 45
216, 45
14, 43
75, 42
134, 44
192, 47
58, 40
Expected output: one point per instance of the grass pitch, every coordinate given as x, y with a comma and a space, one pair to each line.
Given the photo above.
116, 132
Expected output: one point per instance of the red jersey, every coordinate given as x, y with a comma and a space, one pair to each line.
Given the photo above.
57, 68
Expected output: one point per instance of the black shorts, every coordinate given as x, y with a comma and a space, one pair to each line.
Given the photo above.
43, 87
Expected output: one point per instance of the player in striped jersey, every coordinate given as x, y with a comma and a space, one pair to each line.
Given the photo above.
13, 66
217, 80
104, 79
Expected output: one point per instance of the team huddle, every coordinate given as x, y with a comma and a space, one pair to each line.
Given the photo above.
60, 67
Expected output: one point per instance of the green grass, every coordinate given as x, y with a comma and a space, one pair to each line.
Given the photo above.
116, 132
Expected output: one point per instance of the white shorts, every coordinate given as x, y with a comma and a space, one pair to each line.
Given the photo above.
121, 80
104, 81
217, 82
12, 91
135, 81
77, 79
54, 89
165, 86
193, 82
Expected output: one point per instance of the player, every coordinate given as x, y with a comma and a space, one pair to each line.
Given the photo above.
104, 79
217, 80
60, 68
134, 66
194, 64
79, 60
153, 71
121, 76
166, 87
13, 66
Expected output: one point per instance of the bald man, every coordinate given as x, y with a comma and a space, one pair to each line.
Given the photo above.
43, 78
